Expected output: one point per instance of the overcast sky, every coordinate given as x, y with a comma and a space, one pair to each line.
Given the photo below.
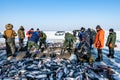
60, 14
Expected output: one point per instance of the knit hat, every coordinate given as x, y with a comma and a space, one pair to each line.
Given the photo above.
31, 29
38, 29
111, 30
98, 27
82, 29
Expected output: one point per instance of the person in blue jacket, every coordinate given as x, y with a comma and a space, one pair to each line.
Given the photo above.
33, 41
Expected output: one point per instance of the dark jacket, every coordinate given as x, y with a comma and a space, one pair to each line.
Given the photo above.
111, 40
80, 35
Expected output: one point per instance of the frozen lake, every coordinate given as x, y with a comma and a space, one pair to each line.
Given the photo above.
113, 63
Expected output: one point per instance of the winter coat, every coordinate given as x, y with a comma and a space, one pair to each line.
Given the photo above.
21, 33
80, 35
69, 39
92, 35
85, 36
34, 37
29, 34
99, 39
9, 33
43, 36
111, 40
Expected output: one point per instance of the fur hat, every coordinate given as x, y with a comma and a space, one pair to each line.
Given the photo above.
8, 26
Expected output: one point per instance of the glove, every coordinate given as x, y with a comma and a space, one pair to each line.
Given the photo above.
115, 45
37, 51
4, 37
110, 45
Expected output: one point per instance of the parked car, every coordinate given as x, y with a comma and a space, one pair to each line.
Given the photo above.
60, 33
1, 35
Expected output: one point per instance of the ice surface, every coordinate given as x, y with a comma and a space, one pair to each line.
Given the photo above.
115, 64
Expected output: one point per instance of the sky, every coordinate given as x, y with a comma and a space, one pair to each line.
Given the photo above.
60, 14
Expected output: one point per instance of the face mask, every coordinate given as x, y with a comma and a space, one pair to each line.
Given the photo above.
110, 32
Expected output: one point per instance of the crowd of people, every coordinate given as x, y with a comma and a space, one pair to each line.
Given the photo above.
88, 39
35, 38
95, 39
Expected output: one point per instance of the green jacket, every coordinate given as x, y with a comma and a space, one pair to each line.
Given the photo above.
69, 37
21, 33
44, 36
111, 39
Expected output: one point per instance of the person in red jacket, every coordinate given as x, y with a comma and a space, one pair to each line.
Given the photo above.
99, 42
29, 34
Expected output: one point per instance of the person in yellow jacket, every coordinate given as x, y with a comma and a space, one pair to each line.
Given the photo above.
99, 42
9, 35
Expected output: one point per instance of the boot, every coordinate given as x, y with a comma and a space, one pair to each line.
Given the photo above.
34, 56
100, 58
108, 55
97, 59
28, 54
111, 53
112, 56
14, 55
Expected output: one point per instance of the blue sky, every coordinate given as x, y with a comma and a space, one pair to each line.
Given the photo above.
60, 14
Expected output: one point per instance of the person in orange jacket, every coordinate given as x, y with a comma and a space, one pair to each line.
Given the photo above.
99, 42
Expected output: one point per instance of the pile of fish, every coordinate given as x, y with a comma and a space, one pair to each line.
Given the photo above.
51, 68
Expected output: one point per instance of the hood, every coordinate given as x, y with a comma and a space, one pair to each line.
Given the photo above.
21, 28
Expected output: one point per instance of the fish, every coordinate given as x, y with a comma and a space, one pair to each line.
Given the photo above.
51, 68
40, 76
59, 75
